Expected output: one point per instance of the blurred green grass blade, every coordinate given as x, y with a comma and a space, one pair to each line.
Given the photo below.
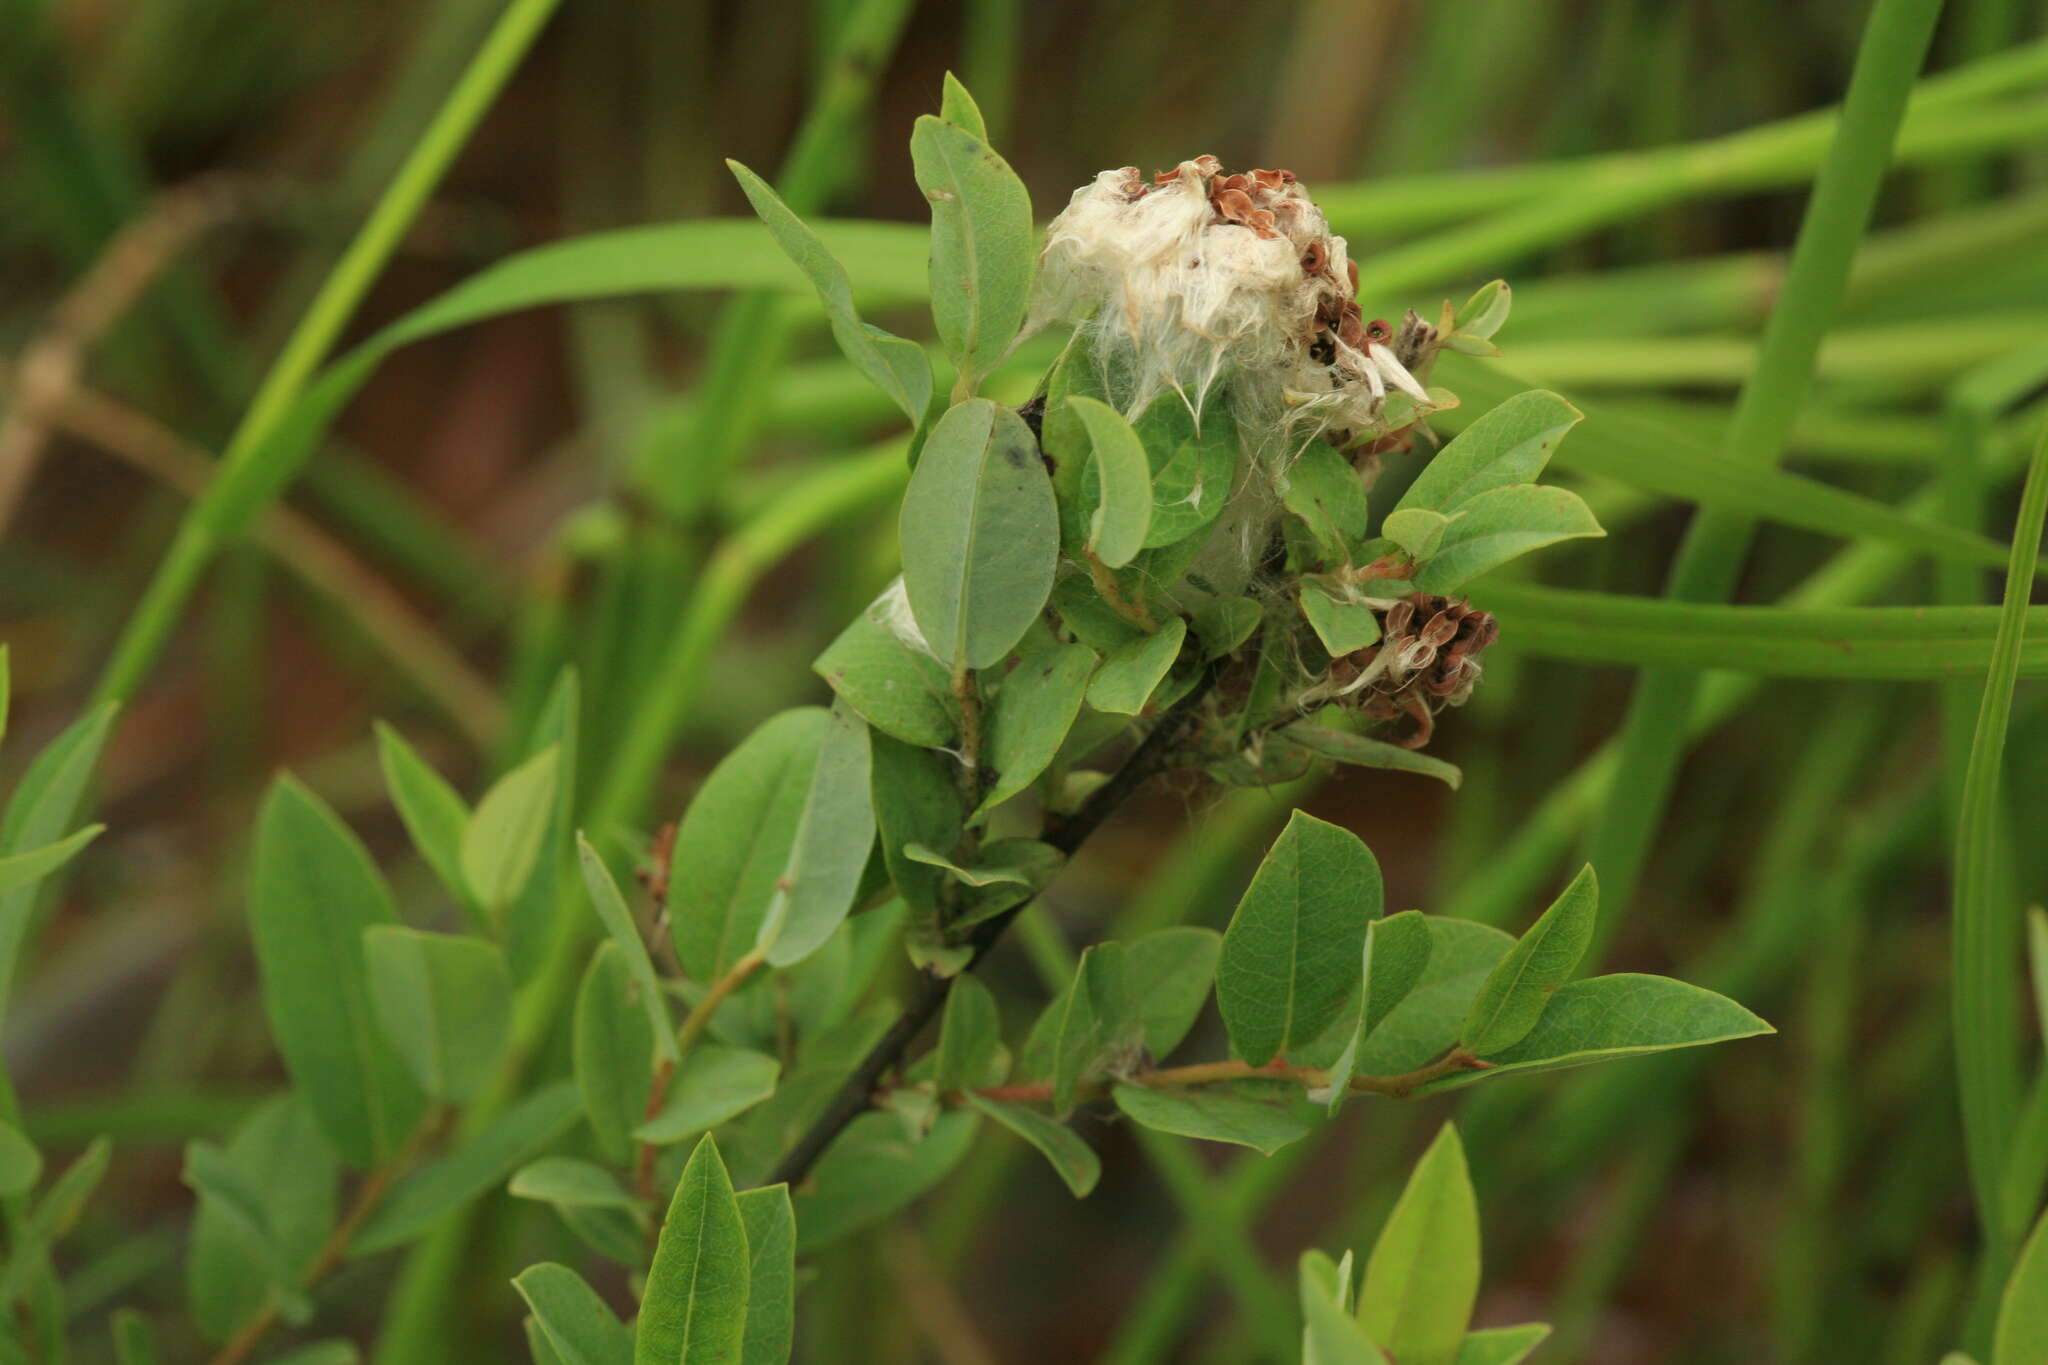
1985, 996
714, 253
250, 473
1559, 197
750, 340
990, 48
1709, 559
1786, 642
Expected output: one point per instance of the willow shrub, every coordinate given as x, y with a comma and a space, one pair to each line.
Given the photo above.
1166, 567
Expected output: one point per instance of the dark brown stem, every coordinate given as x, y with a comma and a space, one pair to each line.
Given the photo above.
1151, 757
657, 1095
1208, 1073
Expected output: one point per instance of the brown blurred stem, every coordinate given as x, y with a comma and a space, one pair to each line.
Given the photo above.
1152, 757
369, 1195
49, 366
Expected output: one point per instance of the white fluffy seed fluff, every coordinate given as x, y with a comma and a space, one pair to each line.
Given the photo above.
1201, 275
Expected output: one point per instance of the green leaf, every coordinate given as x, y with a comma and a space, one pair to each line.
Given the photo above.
1417, 530
6, 687
735, 841
892, 364
1131, 674
1073, 1159
873, 1170
916, 803
134, 1338
242, 1204
572, 1182
695, 1309
958, 108
713, 254
984, 247
1503, 524
39, 813
1324, 491
578, 1326
444, 1003
21, 1165
1509, 444
1123, 473
1423, 1276
1481, 317
2022, 1334
882, 668
1617, 1016
471, 1170
530, 920
834, 836
312, 893
331, 1352
1194, 468
1428, 1018
1168, 973
980, 534
502, 841
1031, 716
2037, 963
1224, 625
1343, 627
624, 932
977, 877
1291, 953
24, 870
1330, 1335
230, 1265
58, 1210
1397, 953
433, 814
1214, 1114
1502, 1345
1098, 1020
970, 1039
1513, 996
771, 1275
613, 1048
713, 1084
1783, 642
1360, 752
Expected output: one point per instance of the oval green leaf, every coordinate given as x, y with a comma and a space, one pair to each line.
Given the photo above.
695, 1309
735, 841
444, 1003
980, 534
1123, 483
502, 841
1031, 716
578, 1326
1423, 1275
1513, 996
984, 247
1291, 953
312, 892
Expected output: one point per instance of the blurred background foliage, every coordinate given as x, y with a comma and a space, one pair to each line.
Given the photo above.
176, 176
